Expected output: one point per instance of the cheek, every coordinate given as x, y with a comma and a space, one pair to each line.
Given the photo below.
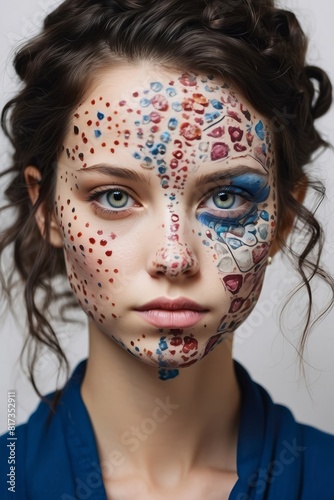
92, 270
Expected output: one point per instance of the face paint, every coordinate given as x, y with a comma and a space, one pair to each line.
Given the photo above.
166, 188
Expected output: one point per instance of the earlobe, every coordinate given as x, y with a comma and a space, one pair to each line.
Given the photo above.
33, 179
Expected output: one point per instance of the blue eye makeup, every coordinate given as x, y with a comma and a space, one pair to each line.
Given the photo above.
255, 185
235, 204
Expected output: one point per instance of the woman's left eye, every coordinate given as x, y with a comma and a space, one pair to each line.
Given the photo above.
224, 200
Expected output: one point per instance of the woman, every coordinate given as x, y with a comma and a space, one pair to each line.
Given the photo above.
152, 167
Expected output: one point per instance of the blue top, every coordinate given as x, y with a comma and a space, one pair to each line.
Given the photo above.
277, 458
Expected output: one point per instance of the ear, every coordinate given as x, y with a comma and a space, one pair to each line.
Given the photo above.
33, 178
299, 195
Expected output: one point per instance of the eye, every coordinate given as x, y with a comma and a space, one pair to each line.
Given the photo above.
111, 201
224, 200
116, 199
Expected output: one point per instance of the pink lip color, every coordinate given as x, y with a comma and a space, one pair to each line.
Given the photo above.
161, 318
166, 313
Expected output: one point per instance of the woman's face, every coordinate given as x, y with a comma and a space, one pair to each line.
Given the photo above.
166, 193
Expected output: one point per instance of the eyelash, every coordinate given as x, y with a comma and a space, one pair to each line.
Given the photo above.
94, 197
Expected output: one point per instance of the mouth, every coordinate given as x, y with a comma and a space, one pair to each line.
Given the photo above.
166, 313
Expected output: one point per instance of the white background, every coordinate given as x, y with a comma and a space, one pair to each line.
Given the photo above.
260, 345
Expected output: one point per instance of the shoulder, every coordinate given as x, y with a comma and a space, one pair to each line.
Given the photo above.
281, 457
42, 447
20, 453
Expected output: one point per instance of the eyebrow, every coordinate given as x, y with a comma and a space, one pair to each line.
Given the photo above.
125, 173
116, 171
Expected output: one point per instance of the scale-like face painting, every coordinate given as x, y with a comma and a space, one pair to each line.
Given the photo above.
166, 191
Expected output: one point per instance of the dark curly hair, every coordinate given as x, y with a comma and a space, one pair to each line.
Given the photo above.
258, 47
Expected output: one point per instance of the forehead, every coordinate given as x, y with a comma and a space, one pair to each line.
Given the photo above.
150, 113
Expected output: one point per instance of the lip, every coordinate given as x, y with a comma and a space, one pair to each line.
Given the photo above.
167, 313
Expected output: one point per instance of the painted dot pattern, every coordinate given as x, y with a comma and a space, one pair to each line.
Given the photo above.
170, 129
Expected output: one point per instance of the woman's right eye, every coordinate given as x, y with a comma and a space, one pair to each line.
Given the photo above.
116, 199
112, 200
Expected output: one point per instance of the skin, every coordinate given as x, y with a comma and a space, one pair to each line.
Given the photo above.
193, 237
194, 217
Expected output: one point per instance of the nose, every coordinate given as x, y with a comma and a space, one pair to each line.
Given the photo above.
173, 255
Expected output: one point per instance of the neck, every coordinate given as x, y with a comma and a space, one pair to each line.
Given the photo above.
192, 418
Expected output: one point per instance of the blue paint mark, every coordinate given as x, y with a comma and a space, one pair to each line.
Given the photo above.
177, 106
165, 374
160, 149
210, 117
137, 156
165, 137
259, 129
171, 92
156, 86
97, 133
163, 344
148, 161
234, 243
100, 115
252, 186
173, 123
146, 119
264, 215
216, 104
137, 349
263, 231
208, 88
144, 102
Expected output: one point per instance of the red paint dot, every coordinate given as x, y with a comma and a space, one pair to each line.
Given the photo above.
89, 123
90, 250
111, 280
103, 243
92, 150
99, 261
79, 235
115, 271
116, 143
109, 253
100, 232
93, 101
92, 241
87, 224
